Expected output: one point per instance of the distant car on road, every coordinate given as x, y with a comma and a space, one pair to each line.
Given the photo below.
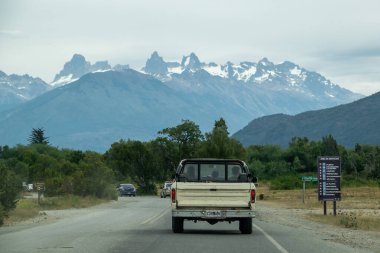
127, 190
166, 189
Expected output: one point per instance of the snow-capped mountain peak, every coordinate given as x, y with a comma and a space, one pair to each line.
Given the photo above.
156, 65
78, 66
249, 72
283, 76
265, 63
216, 70
191, 62
16, 89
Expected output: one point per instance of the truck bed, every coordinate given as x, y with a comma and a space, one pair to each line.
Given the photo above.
220, 195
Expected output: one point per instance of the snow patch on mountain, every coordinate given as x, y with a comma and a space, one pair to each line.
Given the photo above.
63, 80
247, 73
216, 70
262, 78
175, 70
296, 71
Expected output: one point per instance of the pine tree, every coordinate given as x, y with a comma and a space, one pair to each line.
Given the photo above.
329, 146
38, 136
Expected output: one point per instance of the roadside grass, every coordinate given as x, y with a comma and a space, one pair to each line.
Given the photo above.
25, 209
69, 201
28, 208
358, 209
350, 219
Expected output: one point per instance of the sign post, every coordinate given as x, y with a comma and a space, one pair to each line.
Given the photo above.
329, 175
40, 189
304, 180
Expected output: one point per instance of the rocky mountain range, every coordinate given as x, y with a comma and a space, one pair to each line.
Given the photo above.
78, 67
284, 77
16, 89
97, 110
91, 106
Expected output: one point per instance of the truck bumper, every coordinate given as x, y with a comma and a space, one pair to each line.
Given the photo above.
213, 214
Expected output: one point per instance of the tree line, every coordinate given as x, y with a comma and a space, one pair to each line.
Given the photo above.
66, 171
283, 167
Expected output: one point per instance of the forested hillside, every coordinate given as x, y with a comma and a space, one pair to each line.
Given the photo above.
356, 122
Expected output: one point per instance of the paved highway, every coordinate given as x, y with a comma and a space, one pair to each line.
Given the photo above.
143, 224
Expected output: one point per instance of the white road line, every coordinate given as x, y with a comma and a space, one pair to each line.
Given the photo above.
154, 218
270, 238
158, 217
148, 220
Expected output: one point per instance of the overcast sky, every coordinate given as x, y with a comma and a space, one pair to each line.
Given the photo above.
339, 39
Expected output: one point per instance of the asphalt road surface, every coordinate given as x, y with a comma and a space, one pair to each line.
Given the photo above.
143, 224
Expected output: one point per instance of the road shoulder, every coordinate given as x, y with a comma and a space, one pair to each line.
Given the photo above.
269, 212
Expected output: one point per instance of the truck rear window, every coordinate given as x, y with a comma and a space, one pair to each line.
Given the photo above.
211, 172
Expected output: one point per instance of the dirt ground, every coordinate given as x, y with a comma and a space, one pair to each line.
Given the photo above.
288, 208
271, 212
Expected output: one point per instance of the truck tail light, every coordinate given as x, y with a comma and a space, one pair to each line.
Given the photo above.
253, 196
173, 195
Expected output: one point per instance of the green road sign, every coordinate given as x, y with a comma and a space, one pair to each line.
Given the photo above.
309, 178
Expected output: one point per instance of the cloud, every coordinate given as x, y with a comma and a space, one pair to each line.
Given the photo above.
354, 54
10, 33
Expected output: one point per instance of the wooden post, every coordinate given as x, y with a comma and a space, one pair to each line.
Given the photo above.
303, 196
40, 189
334, 208
324, 208
39, 197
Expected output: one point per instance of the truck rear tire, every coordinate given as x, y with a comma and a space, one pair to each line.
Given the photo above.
177, 224
245, 225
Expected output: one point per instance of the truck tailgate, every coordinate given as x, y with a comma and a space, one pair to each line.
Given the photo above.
198, 195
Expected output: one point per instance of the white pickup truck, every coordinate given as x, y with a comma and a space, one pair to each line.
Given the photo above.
213, 190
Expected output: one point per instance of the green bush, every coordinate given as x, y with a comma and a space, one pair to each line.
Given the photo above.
149, 189
286, 183
93, 177
56, 186
110, 192
2, 215
352, 181
10, 187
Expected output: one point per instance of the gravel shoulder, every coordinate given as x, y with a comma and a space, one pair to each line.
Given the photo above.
271, 212
51, 216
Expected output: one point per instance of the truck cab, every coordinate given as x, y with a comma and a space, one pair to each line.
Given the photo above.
213, 190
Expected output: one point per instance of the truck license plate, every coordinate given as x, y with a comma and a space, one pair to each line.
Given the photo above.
213, 214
